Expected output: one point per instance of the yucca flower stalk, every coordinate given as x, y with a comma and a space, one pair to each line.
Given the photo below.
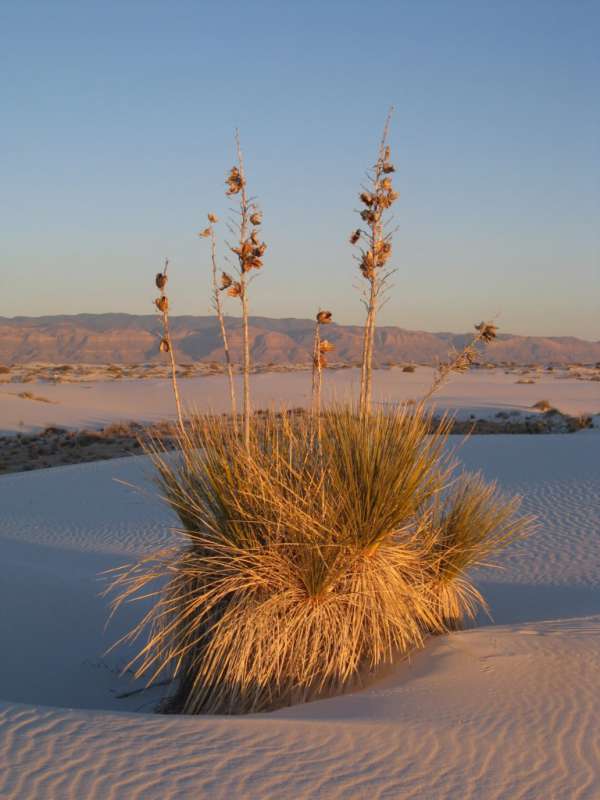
320, 348
462, 360
226, 282
166, 342
375, 243
249, 251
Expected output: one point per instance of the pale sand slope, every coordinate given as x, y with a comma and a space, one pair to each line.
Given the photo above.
504, 711
480, 392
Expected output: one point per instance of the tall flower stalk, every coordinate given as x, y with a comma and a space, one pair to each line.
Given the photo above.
462, 360
249, 251
166, 343
209, 232
375, 244
320, 348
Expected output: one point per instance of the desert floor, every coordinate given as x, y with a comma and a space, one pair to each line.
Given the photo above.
481, 393
505, 710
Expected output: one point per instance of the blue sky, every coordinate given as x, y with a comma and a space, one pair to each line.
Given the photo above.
118, 130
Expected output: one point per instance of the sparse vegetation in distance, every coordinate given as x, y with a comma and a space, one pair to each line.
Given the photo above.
31, 396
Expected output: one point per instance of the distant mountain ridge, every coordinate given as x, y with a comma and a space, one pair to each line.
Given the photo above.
130, 338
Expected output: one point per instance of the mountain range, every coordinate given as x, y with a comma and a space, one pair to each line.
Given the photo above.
129, 338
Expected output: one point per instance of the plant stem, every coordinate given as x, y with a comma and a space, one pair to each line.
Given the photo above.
167, 336
244, 209
376, 238
219, 310
317, 381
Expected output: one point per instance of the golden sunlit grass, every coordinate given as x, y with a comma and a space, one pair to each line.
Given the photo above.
300, 566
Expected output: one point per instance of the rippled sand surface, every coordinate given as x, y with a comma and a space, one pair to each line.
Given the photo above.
506, 710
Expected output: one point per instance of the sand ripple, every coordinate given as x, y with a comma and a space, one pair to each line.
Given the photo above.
497, 712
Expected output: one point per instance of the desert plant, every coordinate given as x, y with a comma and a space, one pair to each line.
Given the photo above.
166, 342
298, 568
249, 252
462, 360
320, 349
218, 306
301, 562
375, 245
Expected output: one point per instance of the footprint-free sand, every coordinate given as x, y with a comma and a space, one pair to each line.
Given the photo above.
508, 709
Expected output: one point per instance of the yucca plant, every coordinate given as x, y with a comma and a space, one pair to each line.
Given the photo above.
302, 562
297, 569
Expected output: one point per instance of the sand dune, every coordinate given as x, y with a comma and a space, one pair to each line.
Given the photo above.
504, 710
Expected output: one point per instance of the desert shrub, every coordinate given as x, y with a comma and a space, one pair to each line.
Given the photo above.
299, 566
409, 368
542, 405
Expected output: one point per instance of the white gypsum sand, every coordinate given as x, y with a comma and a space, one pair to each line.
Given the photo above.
507, 710
481, 393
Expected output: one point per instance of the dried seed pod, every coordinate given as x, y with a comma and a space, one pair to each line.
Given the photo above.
367, 273
387, 167
212, 218
383, 250
355, 236
235, 289
487, 331
234, 181
368, 216
161, 280
367, 261
324, 317
254, 237
226, 281
164, 346
367, 198
256, 218
254, 262
386, 200
162, 303
205, 233
326, 347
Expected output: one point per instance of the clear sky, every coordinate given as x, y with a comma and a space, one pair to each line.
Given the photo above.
117, 130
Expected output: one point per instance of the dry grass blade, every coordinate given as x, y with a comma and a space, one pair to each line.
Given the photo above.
299, 567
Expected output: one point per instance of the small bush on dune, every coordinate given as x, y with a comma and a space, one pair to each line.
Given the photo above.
300, 566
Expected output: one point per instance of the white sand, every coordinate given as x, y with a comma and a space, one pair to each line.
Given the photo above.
508, 710
97, 403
